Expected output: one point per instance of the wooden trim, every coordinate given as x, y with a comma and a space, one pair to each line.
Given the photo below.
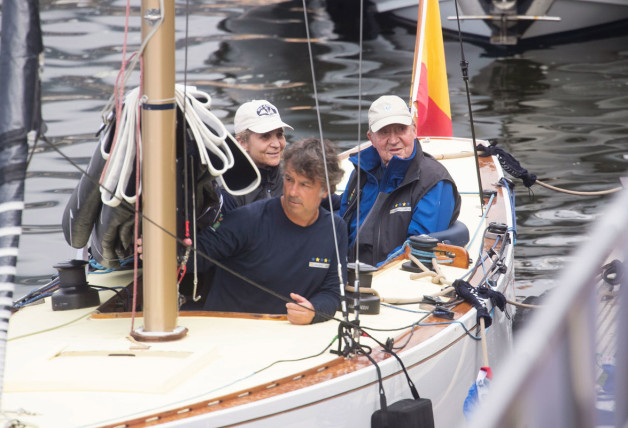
333, 369
338, 366
186, 314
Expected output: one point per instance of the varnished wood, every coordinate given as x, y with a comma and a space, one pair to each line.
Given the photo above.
342, 366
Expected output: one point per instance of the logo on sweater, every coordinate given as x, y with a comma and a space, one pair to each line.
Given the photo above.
320, 262
401, 207
218, 222
351, 196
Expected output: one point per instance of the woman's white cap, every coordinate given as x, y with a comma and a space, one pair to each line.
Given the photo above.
258, 116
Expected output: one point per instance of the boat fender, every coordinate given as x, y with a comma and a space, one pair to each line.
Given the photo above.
73, 292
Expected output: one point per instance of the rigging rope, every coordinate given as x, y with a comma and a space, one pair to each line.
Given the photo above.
464, 68
514, 168
343, 300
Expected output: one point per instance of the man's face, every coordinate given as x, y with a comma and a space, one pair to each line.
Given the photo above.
301, 196
393, 140
265, 149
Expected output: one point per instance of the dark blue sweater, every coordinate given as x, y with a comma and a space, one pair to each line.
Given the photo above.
259, 242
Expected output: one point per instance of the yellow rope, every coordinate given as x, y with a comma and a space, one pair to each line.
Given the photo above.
573, 192
524, 305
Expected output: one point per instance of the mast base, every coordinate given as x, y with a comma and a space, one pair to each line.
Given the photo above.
158, 336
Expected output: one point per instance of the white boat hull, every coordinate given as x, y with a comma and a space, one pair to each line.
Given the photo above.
79, 368
574, 15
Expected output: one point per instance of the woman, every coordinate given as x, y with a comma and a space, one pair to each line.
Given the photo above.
260, 131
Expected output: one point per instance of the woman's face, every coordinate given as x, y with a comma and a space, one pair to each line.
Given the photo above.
265, 149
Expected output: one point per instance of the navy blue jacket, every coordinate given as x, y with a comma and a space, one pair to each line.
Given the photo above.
259, 242
408, 197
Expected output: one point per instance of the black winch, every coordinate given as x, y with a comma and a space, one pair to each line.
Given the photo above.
74, 292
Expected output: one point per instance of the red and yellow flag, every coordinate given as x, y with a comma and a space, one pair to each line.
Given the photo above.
430, 93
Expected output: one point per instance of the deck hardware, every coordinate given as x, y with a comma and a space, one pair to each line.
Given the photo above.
74, 291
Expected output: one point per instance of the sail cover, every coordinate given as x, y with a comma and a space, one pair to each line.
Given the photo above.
100, 213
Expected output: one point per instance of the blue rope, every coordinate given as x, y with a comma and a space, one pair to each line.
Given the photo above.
34, 299
100, 269
490, 201
429, 255
511, 197
395, 254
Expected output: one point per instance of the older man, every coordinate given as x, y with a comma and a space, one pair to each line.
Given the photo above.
284, 244
404, 191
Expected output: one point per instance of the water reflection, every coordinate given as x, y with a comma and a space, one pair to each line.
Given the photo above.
561, 110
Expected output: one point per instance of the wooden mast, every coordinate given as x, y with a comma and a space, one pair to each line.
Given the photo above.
159, 176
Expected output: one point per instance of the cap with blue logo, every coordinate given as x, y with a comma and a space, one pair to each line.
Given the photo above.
258, 116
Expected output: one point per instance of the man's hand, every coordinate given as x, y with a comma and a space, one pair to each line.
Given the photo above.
298, 314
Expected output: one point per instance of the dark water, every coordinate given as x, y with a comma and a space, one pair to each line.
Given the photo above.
560, 109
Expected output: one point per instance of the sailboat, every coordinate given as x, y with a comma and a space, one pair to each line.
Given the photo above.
113, 350
510, 22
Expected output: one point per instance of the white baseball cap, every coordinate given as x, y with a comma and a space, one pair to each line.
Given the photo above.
258, 116
388, 109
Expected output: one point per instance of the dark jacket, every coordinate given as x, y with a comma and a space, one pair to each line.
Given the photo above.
259, 242
271, 185
390, 195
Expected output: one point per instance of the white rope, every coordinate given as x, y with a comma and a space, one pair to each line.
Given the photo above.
122, 155
200, 120
208, 131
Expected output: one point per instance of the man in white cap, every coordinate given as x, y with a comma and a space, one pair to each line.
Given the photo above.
260, 131
404, 191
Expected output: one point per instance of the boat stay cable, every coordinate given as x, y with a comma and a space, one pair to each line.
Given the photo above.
343, 300
357, 304
464, 68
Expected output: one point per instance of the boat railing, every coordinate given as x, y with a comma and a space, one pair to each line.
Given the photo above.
549, 379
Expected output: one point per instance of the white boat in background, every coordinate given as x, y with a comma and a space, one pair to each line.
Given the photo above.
101, 352
508, 22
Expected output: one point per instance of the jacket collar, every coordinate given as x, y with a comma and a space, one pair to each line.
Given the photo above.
270, 174
370, 159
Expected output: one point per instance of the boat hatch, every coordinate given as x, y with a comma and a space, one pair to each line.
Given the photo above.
115, 369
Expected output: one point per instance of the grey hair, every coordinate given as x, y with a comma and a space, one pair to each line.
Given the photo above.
306, 158
243, 136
